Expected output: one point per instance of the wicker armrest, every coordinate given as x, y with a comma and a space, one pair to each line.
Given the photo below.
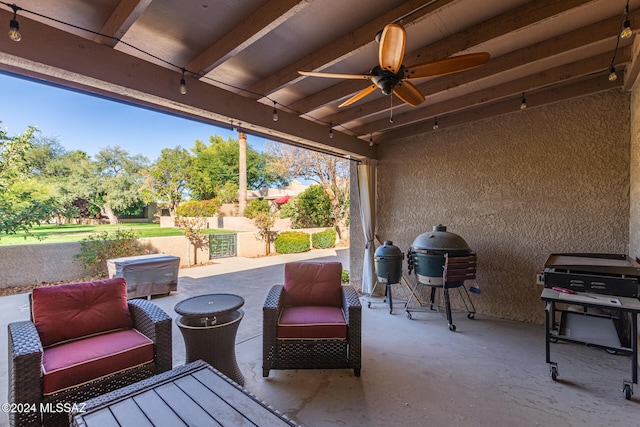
24, 376
272, 306
351, 304
154, 323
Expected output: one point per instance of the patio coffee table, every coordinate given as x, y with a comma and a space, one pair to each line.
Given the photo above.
195, 394
208, 324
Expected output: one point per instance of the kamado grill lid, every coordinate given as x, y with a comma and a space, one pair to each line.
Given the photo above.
439, 239
388, 251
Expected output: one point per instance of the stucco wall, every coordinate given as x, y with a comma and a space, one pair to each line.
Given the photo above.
516, 188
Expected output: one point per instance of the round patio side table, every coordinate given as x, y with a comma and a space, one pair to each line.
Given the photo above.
208, 324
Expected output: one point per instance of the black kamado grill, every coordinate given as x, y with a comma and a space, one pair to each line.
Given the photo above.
388, 262
441, 259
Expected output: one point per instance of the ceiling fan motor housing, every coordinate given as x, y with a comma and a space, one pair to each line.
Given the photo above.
387, 80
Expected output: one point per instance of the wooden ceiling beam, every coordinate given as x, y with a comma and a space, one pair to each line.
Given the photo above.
518, 18
588, 86
121, 19
255, 26
345, 46
547, 78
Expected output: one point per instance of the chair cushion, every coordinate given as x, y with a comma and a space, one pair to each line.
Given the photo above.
74, 310
313, 283
77, 362
312, 322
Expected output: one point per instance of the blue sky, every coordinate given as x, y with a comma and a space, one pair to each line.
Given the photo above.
90, 123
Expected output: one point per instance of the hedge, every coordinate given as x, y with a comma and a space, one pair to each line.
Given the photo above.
292, 242
324, 239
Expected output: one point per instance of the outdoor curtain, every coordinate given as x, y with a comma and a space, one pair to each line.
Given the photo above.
367, 177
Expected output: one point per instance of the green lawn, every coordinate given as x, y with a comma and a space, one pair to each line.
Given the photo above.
75, 233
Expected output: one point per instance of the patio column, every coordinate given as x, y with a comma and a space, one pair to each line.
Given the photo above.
367, 178
242, 181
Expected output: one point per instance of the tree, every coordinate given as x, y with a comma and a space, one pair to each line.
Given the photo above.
23, 204
111, 183
265, 222
167, 178
331, 172
217, 163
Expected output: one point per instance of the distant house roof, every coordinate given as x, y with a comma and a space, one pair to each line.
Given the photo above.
291, 190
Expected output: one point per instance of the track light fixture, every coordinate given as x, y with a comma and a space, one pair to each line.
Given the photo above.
523, 104
435, 123
275, 112
183, 84
14, 27
626, 26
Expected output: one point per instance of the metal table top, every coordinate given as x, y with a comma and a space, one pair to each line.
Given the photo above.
209, 305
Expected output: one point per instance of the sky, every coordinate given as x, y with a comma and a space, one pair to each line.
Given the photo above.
80, 121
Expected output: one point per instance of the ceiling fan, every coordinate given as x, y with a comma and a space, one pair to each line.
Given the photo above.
393, 77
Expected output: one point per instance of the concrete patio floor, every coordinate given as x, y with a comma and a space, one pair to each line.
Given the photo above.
491, 372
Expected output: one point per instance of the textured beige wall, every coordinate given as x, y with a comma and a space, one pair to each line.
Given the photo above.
516, 188
634, 192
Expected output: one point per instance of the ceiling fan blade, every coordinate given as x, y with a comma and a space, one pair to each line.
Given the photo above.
392, 43
335, 75
450, 65
408, 93
364, 92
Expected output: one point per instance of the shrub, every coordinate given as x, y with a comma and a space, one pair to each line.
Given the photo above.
345, 276
313, 208
324, 239
255, 206
97, 248
292, 242
228, 192
199, 208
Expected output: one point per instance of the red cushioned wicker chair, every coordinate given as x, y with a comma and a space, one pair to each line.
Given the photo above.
83, 340
312, 321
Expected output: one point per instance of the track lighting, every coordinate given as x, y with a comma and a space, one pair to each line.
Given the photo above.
275, 112
523, 104
14, 27
183, 84
435, 124
612, 74
626, 26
